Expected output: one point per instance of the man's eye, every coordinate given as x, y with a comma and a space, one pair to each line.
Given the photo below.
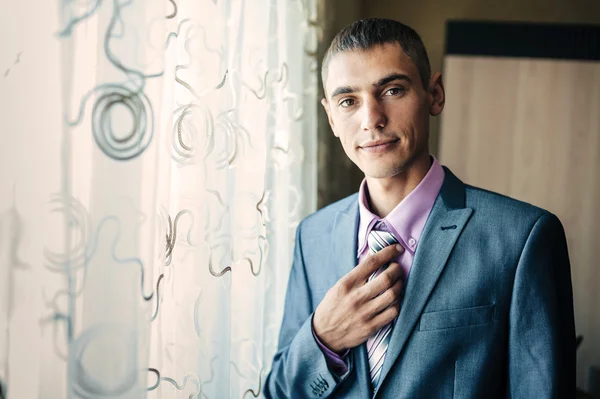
347, 102
394, 91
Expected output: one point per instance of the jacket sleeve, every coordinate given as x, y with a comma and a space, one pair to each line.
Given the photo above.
299, 368
541, 335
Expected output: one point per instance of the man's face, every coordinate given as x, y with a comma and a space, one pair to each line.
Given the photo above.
379, 109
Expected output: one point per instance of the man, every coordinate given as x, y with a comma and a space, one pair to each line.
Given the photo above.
419, 286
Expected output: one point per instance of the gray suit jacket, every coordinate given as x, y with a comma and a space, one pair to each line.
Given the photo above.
487, 310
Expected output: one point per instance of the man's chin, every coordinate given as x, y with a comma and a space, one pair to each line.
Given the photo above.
384, 173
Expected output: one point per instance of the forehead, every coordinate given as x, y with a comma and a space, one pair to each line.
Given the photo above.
361, 68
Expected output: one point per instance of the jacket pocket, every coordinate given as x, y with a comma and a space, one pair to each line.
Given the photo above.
455, 318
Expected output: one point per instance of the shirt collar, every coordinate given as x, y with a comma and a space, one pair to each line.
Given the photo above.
407, 219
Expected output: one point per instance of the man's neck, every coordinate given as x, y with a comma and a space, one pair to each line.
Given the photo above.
386, 193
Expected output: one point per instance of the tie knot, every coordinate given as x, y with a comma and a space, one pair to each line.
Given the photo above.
379, 239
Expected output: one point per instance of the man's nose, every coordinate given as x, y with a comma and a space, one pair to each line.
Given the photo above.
373, 116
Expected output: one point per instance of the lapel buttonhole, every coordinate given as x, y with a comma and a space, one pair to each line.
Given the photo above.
449, 227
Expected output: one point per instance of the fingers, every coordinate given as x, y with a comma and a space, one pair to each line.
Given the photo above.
365, 268
386, 316
387, 298
383, 281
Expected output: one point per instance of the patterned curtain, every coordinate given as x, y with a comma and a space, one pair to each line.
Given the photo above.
157, 157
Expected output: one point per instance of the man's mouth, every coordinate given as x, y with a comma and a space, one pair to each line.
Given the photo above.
375, 146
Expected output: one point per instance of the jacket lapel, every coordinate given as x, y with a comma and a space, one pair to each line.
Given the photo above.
344, 257
446, 221
344, 243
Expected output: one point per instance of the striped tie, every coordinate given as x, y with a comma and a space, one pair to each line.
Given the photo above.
377, 345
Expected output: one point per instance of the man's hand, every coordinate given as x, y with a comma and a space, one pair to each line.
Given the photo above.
352, 311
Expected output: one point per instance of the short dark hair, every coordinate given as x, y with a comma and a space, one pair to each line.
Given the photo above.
367, 33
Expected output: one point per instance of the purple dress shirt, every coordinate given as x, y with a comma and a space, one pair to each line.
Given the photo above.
405, 222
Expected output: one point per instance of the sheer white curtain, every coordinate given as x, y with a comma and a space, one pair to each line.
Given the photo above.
157, 156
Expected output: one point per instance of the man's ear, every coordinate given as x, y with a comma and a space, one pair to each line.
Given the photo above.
437, 94
325, 104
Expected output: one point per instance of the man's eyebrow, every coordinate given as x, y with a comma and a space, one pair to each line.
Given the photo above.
391, 78
342, 90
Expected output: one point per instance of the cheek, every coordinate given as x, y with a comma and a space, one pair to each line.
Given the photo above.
347, 144
417, 122
345, 131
